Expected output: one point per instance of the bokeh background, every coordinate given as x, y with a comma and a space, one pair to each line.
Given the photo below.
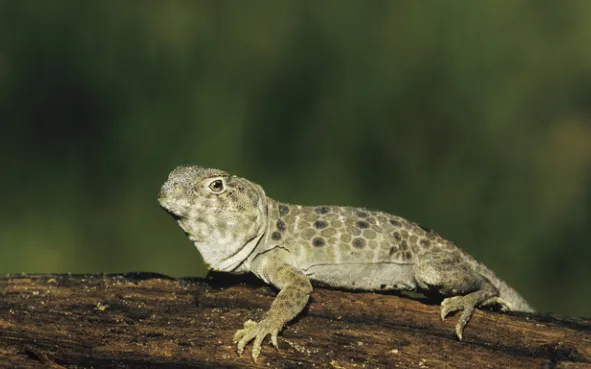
472, 118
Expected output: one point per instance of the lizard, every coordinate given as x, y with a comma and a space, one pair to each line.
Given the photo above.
237, 228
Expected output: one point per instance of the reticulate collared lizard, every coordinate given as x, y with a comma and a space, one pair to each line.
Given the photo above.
237, 228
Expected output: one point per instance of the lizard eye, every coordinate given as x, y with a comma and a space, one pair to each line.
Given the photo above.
217, 186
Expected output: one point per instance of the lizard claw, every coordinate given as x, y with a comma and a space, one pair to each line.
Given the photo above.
258, 332
457, 303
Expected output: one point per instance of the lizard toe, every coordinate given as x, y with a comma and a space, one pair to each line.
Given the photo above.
451, 305
257, 332
464, 303
464, 318
244, 335
274, 339
496, 300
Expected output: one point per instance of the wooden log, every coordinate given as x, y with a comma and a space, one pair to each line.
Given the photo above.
152, 321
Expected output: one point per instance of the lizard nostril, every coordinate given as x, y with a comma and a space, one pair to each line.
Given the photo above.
162, 194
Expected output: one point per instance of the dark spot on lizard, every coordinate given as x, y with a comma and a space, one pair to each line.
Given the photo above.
319, 224
283, 210
359, 243
318, 242
404, 245
407, 255
425, 243
276, 236
362, 214
254, 198
362, 224
321, 209
304, 284
397, 236
281, 225
395, 223
382, 286
393, 250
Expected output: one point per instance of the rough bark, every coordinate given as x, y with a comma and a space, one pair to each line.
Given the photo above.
153, 321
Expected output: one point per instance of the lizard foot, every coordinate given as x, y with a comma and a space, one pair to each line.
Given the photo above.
457, 303
258, 332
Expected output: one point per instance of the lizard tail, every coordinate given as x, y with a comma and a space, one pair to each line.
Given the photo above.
507, 293
517, 302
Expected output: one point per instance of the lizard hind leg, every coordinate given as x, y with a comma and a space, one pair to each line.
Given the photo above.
463, 289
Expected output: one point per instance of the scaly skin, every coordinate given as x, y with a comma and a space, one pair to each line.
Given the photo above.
237, 228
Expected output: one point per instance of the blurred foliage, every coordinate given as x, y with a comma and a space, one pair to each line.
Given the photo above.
473, 118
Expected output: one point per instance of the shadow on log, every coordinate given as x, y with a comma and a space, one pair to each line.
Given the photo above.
143, 320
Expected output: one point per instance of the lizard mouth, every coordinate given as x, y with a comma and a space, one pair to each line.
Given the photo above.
174, 215
167, 208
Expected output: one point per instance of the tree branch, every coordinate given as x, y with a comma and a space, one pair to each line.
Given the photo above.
153, 321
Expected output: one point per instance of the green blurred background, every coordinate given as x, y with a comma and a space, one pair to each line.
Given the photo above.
472, 118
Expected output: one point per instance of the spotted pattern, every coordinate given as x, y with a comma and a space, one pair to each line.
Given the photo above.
318, 242
322, 209
362, 224
395, 223
283, 210
340, 234
320, 224
359, 243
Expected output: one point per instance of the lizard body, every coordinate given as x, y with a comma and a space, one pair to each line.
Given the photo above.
237, 228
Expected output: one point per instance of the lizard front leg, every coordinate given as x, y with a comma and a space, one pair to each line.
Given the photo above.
294, 293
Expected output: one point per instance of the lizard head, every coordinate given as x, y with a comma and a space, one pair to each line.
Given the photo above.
224, 215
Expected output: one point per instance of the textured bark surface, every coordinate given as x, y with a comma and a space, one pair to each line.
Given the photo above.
152, 321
